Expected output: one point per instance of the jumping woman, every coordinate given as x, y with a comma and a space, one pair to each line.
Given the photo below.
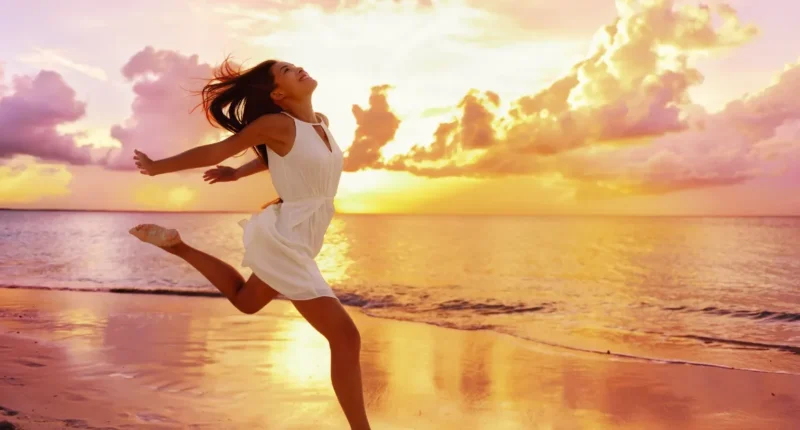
268, 108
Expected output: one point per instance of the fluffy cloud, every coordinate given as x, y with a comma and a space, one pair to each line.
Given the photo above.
780, 152
753, 137
2, 81
376, 127
591, 124
31, 112
161, 124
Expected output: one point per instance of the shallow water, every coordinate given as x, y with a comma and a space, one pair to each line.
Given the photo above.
711, 291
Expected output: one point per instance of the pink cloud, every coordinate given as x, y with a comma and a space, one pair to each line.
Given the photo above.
754, 137
162, 122
782, 147
692, 159
2, 81
30, 114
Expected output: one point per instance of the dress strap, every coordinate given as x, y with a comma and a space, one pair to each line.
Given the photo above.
300, 120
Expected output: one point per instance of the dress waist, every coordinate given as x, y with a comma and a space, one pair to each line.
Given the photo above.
319, 199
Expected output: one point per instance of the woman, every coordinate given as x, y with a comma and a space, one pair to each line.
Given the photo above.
269, 108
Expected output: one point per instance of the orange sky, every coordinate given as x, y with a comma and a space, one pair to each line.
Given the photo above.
452, 106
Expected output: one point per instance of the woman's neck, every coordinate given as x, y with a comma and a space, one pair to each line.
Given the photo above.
303, 111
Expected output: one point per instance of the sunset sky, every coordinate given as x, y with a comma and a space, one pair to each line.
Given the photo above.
650, 107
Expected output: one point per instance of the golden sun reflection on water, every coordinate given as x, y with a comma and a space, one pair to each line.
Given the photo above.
303, 356
334, 259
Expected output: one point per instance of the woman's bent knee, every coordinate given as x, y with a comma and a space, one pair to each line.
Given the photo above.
345, 336
252, 296
247, 308
329, 317
249, 305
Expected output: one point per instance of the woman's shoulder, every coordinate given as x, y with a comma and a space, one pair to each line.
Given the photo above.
274, 119
274, 124
277, 131
323, 118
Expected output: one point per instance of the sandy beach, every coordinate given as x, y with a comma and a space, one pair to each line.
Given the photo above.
124, 361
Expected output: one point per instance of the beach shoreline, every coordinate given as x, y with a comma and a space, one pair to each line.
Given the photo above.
363, 306
93, 360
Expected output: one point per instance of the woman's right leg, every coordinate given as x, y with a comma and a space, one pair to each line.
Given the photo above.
249, 297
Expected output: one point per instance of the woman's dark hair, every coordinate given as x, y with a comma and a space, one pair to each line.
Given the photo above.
235, 98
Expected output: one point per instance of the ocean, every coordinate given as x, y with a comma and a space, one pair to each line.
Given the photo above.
716, 291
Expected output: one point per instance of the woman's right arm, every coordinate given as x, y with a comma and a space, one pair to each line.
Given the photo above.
276, 131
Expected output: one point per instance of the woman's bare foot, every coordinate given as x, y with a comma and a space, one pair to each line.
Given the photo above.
156, 235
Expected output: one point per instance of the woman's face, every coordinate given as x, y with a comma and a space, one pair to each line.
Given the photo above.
291, 81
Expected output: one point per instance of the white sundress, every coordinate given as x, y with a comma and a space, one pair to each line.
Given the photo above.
282, 241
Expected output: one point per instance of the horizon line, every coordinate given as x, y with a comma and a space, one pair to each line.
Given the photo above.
417, 214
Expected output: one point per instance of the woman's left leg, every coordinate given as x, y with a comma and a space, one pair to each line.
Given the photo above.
330, 318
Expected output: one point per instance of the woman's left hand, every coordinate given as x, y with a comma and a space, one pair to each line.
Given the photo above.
145, 165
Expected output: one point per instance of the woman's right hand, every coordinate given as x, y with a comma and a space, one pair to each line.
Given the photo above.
220, 174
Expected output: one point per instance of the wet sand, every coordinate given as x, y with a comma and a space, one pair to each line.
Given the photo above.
126, 361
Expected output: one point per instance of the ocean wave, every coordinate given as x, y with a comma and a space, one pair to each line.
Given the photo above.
359, 301
452, 305
131, 290
760, 314
743, 343
483, 308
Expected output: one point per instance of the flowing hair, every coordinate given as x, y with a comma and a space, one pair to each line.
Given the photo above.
234, 98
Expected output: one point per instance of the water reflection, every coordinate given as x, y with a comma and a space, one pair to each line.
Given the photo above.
334, 258
199, 355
